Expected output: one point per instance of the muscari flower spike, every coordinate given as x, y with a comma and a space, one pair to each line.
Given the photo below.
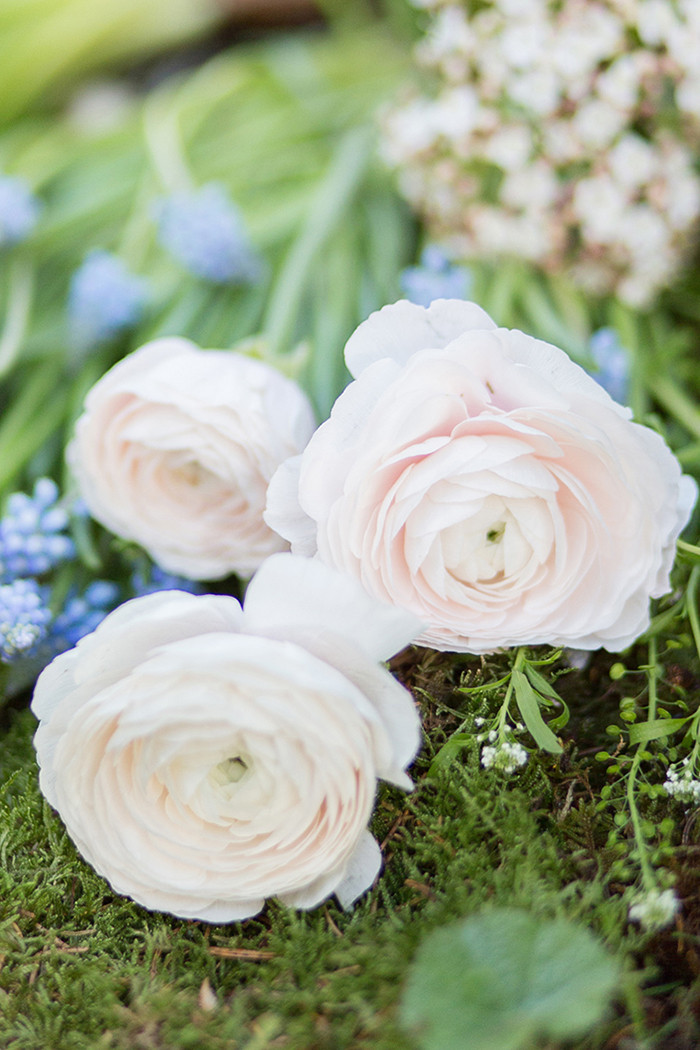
24, 618
80, 615
612, 361
32, 533
205, 232
435, 277
19, 210
104, 299
157, 579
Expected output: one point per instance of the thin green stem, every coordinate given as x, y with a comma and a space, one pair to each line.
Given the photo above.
161, 129
676, 402
19, 306
691, 605
648, 877
688, 548
333, 199
502, 719
652, 675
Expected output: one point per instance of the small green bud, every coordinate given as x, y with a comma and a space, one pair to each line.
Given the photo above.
617, 671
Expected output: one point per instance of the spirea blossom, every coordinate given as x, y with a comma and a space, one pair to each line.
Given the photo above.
104, 299
205, 232
562, 134
205, 757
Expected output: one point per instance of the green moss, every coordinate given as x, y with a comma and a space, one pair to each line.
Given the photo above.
83, 968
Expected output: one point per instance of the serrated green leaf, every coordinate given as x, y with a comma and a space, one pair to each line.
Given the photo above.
506, 977
528, 702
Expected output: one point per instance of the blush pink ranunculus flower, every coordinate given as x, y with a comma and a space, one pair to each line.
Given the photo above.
481, 479
205, 757
175, 449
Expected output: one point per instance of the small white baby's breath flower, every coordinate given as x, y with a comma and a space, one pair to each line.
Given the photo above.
682, 785
506, 757
654, 909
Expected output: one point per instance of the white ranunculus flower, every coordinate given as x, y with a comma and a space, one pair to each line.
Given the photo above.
204, 758
175, 449
479, 478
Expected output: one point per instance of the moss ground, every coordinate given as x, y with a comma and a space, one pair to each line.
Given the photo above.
82, 968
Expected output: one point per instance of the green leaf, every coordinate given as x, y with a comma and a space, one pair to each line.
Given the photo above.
449, 751
506, 977
528, 702
560, 721
688, 552
540, 683
657, 729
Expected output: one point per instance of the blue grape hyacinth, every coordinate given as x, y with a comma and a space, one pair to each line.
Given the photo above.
157, 579
205, 232
19, 210
104, 299
435, 277
32, 533
80, 615
24, 619
612, 363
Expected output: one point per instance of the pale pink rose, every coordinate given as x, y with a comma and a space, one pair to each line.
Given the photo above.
204, 758
479, 478
175, 449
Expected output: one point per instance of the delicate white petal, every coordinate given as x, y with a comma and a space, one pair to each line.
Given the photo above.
283, 512
175, 449
363, 868
398, 330
482, 480
202, 768
316, 599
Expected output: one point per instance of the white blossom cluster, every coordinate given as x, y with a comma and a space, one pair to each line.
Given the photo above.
562, 134
505, 755
682, 785
654, 909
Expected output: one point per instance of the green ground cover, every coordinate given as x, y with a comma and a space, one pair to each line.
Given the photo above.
84, 968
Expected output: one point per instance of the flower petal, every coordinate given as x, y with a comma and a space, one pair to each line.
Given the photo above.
399, 330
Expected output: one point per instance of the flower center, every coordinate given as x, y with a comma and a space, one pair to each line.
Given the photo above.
487, 546
496, 532
230, 771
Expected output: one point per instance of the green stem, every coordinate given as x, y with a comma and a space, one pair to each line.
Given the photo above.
691, 605
503, 710
161, 130
690, 455
691, 611
648, 877
676, 402
18, 310
334, 197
